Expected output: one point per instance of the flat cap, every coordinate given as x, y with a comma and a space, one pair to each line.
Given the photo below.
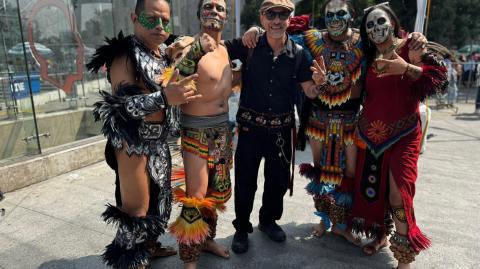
268, 4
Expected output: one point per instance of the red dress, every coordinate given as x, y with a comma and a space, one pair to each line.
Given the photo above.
390, 126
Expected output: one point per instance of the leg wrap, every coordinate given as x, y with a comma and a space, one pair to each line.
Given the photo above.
401, 248
212, 224
190, 253
337, 214
128, 250
323, 203
192, 227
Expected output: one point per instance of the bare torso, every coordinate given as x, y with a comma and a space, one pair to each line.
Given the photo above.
214, 83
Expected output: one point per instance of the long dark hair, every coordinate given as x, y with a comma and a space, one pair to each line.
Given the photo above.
369, 47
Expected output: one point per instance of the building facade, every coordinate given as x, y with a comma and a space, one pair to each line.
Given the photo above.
46, 93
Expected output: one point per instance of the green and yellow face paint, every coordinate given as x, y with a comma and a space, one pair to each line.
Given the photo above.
150, 22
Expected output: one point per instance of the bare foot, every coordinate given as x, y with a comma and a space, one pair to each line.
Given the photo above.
403, 266
347, 235
374, 246
191, 265
319, 229
216, 249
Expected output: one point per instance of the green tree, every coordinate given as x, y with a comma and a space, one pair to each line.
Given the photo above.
250, 13
452, 23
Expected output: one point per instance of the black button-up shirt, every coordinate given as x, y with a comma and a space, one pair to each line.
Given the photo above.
268, 82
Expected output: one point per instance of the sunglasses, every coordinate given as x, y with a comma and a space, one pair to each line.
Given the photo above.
271, 15
384, 4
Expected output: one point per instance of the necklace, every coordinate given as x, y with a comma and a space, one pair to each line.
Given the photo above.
389, 49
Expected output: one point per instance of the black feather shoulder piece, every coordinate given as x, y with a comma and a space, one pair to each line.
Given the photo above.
115, 47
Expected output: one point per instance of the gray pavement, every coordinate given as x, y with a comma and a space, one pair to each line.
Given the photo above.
56, 223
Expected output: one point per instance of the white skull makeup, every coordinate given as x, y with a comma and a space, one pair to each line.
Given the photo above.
213, 14
379, 26
337, 17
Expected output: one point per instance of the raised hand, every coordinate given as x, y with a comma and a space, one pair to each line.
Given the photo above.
419, 41
319, 71
180, 92
250, 37
208, 43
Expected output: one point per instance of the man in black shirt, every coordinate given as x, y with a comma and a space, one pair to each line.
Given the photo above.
266, 119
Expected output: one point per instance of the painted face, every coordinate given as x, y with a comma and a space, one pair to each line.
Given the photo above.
379, 26
337, 17
149, 22
213, 14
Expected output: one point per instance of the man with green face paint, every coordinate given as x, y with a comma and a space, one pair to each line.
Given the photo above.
151, 22
137, 118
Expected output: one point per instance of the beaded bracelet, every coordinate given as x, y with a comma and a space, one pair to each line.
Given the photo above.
406, 70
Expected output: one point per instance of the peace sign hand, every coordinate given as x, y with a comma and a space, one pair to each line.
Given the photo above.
319, 72
395, 66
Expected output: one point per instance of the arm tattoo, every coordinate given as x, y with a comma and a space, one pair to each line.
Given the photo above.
188, 65
413, 72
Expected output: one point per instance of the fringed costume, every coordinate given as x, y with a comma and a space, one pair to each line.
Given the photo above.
122, 114
210, 138
389, 126
331, 119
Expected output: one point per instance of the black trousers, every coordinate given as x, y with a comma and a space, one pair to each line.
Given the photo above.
477, 101
253, 145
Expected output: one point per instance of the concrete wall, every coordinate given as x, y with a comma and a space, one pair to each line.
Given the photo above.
29, 171
63, 127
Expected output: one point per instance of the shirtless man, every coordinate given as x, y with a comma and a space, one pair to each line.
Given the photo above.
206, 144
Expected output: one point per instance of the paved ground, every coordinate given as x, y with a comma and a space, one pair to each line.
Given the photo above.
56, 223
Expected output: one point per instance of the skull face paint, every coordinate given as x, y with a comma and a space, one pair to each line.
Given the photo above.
337, 17
378, 26
213, 14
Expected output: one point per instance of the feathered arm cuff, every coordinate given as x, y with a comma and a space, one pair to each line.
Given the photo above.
139, 106
433, 78
122, 113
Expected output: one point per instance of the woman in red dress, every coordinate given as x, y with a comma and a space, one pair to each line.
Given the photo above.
389, 126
